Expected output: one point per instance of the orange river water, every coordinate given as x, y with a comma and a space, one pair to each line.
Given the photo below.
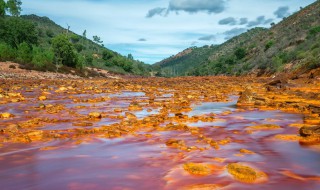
141, 162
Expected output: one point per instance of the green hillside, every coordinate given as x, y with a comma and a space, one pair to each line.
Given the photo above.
291, 45
39, 43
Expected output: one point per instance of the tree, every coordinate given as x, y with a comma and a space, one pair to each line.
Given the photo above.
15, 31
2, 8
240, 53
64, 52
14, 7
130, 56
97, 40
84, 34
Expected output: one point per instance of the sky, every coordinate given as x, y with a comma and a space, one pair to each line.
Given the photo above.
152, 30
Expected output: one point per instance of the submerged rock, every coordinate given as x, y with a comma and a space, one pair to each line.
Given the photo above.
264, 127
246, 174
6, 115
197, 169
203, 187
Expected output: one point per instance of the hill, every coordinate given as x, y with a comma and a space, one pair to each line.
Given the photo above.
40, 53
290, 46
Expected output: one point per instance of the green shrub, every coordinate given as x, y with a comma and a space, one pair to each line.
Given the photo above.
41, 58
89, 59
106, 55
315, 30
49, 33
268, 45
81, 62
277, 64
79, 47
240, 53
24, 53
7, 53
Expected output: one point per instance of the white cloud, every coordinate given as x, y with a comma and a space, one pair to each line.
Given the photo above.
124, 22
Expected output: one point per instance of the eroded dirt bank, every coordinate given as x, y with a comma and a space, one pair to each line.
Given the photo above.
154, 133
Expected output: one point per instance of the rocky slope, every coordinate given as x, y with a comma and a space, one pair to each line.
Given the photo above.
291, 45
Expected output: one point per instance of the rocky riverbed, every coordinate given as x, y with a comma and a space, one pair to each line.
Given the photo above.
156, 133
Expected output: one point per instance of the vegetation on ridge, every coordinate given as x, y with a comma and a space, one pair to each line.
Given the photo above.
291, 45
38, 43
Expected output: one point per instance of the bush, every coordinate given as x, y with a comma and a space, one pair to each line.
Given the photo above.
79, 47
240, 53
41, 58
24, 53
81, 62
89, 59
74, 38
277, 64
106, 55
49, 33
315, 30
7, 53
268, 45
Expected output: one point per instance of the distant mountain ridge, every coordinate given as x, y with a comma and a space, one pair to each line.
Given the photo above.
40, 55
291, 45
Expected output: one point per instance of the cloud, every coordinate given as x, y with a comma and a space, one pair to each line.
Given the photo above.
282, 12
243, 21
234, 32
268, 21
207, 38
142, 40
194, 6
156, 11
261, 20
228, 21
194, 43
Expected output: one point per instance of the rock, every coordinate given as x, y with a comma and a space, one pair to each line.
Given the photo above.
197, 169
245, 174
82, 124
278, 83
6, 115
287, 137
35, 135
309, 131
135, 107
245, 151
13, 128
246, 98
203, 187
310, 140
41, 98
130, 116
315, 109
95, 115
263, 127
174, 143
117, 110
